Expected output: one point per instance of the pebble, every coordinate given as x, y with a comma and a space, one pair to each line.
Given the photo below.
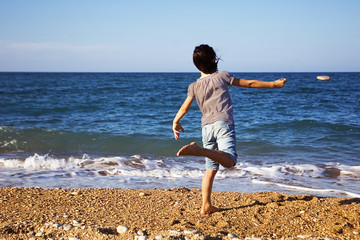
140, 237
304, 236
73, 238
172, 232
76, 223
231, 235
122, 229
67, 227
142, 194
191, 232
141, 232
57, 225
159, 237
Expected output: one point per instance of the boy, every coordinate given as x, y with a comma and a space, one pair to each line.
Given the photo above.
217, 123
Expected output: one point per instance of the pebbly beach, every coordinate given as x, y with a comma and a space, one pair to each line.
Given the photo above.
36, 213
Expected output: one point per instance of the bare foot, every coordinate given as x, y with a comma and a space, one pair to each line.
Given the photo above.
191, 149
209, 210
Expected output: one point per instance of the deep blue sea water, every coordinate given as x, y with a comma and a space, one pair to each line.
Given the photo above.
114, 130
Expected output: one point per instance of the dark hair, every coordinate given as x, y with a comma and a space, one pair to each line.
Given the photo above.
204, 58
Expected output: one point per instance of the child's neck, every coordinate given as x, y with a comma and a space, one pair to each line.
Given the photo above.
204, 74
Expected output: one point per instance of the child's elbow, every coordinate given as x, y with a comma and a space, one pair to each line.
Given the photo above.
252, 84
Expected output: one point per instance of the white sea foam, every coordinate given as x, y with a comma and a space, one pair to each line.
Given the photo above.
350, 171
41, 162
143, 170
177, 167
301, 170
308, 189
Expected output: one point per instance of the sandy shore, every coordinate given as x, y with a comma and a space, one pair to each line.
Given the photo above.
34, 213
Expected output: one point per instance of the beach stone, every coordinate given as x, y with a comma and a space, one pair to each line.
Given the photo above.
67, 227
142, 194
304, 236
57, 225
191, 232
140, 237
77, 224
173, 232
122, 229
231, 235
159, 237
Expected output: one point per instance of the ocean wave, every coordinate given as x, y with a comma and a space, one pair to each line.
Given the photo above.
332, 178
33, 140
144, 164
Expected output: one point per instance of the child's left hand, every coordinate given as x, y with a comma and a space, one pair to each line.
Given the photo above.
176, 129
280, 83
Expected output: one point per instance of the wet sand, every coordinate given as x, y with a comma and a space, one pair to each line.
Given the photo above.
35, 213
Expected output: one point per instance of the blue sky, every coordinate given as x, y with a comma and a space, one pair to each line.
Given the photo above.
159, 36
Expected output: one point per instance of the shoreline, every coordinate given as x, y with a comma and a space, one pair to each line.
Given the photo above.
102, 213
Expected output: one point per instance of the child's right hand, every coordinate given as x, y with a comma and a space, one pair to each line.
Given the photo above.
176, 129
280, 82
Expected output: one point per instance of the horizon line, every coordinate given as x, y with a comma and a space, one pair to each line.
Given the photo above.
177, 72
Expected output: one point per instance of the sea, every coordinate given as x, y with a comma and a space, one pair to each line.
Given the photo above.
114, 130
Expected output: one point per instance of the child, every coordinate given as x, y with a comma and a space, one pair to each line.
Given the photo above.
217, 123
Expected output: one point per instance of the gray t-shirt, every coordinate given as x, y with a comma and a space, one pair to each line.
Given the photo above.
212, 96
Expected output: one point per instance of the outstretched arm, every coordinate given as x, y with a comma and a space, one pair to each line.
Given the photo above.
258, 84
182, 111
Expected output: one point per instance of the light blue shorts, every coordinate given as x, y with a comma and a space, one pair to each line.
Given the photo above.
219, 136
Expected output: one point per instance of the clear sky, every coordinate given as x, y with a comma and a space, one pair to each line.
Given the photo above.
160, 35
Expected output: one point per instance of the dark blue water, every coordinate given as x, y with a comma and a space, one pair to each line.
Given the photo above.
67, 129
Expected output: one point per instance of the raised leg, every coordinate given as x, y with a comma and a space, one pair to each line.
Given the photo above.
218, 156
